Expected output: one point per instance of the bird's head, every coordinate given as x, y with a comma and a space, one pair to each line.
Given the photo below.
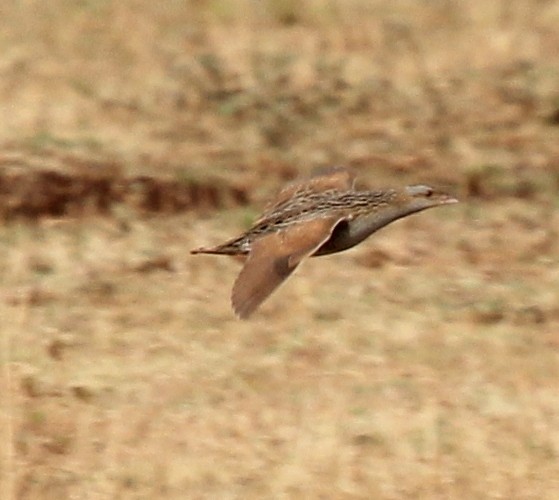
420, 197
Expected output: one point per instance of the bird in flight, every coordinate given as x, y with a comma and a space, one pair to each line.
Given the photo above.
319, 215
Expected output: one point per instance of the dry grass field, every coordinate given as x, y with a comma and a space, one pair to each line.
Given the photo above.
421, 364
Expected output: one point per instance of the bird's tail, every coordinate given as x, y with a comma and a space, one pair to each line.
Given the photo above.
233, 247
214, 250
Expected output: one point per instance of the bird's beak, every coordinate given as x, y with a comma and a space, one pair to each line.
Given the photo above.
447, 200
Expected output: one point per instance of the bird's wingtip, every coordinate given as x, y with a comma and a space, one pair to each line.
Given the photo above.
241, 310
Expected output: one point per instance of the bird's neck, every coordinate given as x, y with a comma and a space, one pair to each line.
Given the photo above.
349, 233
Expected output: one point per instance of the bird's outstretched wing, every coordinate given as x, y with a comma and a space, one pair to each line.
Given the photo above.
321, 179
274, 257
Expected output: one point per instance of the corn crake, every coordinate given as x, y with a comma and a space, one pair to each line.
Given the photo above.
317, 216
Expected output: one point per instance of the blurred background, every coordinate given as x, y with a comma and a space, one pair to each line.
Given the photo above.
422, 364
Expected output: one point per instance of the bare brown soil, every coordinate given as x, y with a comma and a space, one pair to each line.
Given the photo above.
84, 186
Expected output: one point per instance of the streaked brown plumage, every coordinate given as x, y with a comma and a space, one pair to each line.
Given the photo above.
317, 216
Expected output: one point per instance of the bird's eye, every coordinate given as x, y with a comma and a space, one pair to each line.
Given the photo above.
420, 191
